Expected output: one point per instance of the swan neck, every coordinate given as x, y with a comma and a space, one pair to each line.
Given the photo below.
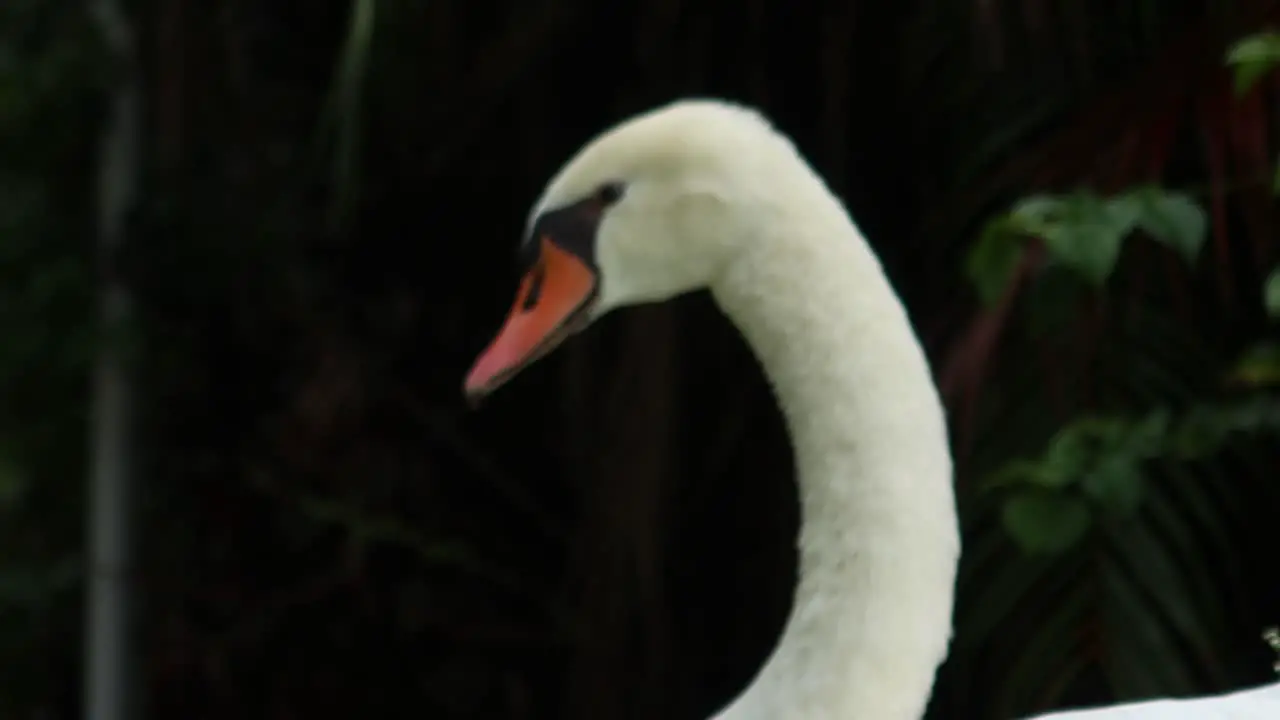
878, 543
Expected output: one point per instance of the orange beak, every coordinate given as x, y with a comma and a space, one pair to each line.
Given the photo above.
552, 298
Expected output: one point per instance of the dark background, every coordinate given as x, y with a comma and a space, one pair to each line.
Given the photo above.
326, 240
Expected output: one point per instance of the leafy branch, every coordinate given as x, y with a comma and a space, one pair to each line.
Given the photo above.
1084, 232
1095, 466
1253, 57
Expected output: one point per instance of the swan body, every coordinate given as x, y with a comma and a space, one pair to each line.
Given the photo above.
704, 194
1260, 703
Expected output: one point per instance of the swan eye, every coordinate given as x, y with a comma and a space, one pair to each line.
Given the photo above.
609, 193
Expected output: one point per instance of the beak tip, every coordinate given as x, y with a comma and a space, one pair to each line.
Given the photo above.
475, 388
561, 287
473, 396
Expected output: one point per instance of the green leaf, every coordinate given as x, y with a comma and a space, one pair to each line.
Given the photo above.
1069, 456
1271, 293
1146, 438
1206, 428
1085, 233
1043, 523
1082, 231
1033, 214
1115, 483
1253, 57
1173, 219
1258, 367
993, 260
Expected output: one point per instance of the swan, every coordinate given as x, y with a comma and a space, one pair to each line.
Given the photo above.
707, 194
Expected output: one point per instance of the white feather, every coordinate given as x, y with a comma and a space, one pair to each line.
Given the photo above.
716, 198
1260, 703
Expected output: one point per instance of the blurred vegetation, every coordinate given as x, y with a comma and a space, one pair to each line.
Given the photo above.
1076, 200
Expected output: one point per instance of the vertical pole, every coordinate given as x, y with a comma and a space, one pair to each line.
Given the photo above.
109, 648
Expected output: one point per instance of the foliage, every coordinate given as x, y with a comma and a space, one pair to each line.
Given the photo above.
1095, 465
1253, 57
1271, 293
1111, 398
1083, 232
1104, 481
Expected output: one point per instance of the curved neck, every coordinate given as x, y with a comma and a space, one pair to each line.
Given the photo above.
878, 542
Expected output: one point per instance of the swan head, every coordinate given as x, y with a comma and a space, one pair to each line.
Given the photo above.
651, 209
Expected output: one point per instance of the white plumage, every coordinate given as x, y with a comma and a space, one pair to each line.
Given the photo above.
716, 198
1260, 703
